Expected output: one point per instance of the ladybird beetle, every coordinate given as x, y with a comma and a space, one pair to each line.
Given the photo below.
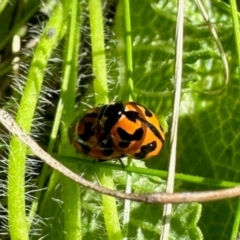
134, 129
88, 138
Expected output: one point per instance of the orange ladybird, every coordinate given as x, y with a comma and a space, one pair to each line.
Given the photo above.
134, 129
88, 138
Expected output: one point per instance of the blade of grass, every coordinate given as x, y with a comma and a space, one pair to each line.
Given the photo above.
177, 98
127, 85
157, 173
16, 172
127, 89
101, 90
71, 191
98, 52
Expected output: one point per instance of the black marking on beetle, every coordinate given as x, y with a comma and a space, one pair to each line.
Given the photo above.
107, 152
131, 115
123, 144
111, 113
105, 142
153, 128
146, 149
88, 132
148, 113
85, 149
101, 111
127, 138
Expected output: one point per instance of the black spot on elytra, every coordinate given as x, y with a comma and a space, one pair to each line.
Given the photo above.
123, 144
107, 152
112, 113
153, 129
85, 149
88, 132
131, 115
126, 138
105, 142
145, 150
148, 113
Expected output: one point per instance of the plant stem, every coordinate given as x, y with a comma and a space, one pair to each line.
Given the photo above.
71, 191
101, 90
16, 173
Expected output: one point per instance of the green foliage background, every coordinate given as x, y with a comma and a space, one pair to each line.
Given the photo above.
208, 141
